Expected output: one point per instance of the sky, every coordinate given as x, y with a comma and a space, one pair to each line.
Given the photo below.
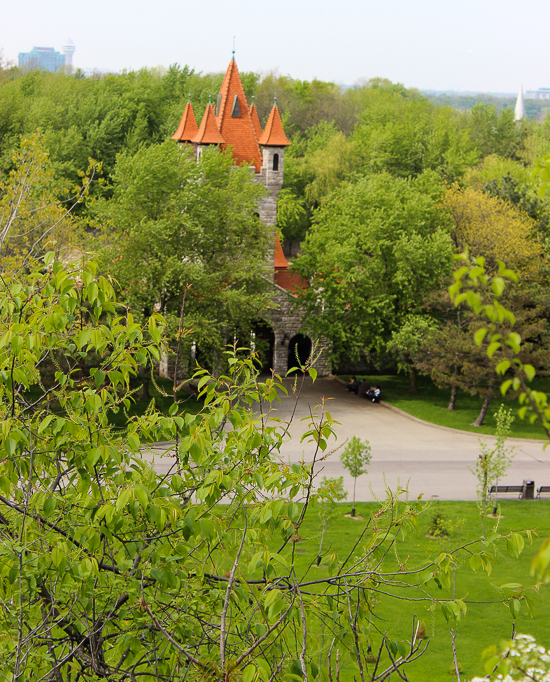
478, 45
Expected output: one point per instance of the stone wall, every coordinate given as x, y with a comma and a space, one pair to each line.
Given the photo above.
287, 322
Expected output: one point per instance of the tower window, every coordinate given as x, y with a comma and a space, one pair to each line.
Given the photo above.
275, 162
236, 112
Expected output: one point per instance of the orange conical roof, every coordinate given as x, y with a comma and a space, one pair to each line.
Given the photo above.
255, 121
274, 134
187, 128
208, 132
280, 259
234, 120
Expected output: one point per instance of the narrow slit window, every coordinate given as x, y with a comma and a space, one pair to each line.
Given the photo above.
236, 112
275, 162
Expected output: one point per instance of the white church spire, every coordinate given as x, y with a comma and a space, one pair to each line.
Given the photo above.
519, 112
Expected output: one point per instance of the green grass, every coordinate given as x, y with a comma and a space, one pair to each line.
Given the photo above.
430, 404
484, 625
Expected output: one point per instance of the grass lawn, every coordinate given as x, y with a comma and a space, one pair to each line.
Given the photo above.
430, 404
485, 624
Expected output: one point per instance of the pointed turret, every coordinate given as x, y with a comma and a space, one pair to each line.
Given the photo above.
255, 120
274, 134
188, 127
208, 132
234, 121
519, 111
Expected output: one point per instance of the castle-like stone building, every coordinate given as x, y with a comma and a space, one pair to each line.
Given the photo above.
234, 125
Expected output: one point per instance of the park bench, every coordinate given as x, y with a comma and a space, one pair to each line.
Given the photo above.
543, 490
526, 491
506, 489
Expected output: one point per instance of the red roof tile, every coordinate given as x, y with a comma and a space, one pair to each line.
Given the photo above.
238, 131
291, 281
255, 121
208, 132
274, 134
187, 128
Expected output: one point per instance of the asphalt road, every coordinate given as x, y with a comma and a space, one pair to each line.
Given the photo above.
429, 460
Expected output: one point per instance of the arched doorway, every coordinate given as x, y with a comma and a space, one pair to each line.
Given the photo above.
299, 350
264, 341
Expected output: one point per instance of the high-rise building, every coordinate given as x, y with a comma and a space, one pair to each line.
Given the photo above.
68, 51
45, 58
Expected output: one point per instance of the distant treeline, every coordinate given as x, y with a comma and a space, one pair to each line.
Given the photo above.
534, 108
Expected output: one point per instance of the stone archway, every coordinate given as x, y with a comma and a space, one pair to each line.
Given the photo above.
299, 350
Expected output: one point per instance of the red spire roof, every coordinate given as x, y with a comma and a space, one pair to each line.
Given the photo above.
255, 121
274, 134
187, 128
234, 120
208, 132
280, 259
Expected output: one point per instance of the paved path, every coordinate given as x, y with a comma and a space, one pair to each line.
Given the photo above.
429, 459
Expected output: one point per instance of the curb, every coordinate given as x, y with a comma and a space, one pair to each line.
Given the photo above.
445, 428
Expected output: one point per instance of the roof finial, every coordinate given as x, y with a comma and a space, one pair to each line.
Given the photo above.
275, 100
210, 98
189, 98
253, 98
233, 48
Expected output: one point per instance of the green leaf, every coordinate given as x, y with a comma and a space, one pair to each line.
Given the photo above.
529, 372
479, 336
515, 544
515, 607
99, 377
49, 506
313, 374
141, 496
249, 673
493, 347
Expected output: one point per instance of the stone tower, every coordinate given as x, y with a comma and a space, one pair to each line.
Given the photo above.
233, 124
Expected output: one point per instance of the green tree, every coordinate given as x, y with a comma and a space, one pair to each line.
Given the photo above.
405, 343
377, 246
331, 492
111, 570
176, 230
494, 460
355, 458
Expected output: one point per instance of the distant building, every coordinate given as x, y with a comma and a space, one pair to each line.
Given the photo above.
519, 112
541, 93
232, 124
46, 58
68, 51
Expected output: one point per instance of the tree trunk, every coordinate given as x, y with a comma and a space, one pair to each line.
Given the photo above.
452, 402
412, 380
485, 406
454, 391
353, 507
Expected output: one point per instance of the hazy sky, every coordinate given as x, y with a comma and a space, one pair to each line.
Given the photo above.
482, 45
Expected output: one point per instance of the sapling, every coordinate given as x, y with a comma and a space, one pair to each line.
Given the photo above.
493, 461
355, 459
332, 490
